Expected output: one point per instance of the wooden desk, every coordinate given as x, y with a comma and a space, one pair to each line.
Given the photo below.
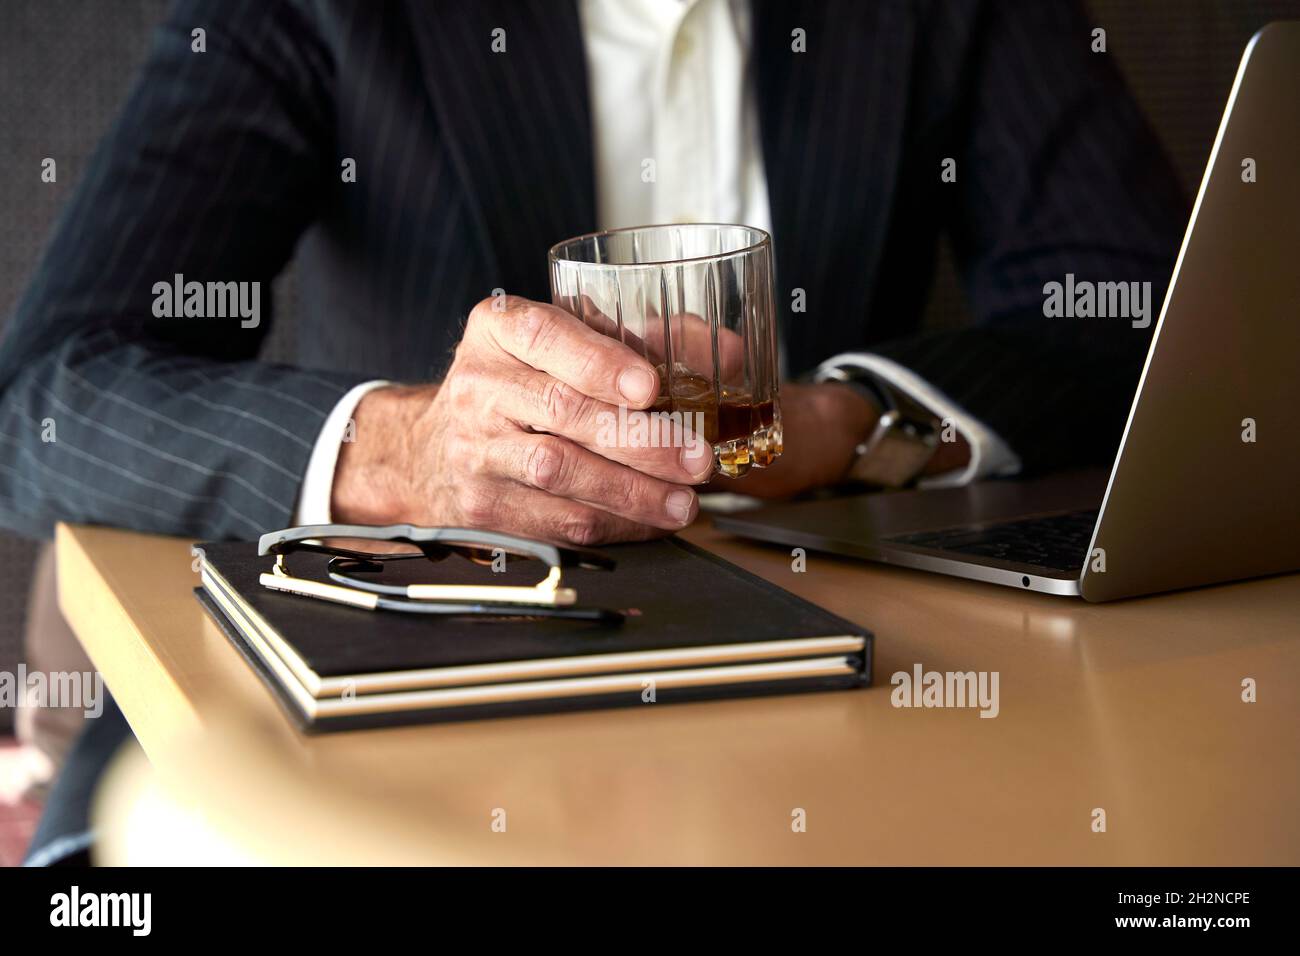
1133, 707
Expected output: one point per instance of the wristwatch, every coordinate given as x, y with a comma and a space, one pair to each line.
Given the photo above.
904, 440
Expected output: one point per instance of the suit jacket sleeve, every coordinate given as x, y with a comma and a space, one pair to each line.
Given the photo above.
1057, 172
112, 414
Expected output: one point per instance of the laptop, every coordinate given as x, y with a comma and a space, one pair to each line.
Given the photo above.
1190, 499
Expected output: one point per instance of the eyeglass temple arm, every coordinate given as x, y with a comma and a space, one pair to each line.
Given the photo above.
546, 592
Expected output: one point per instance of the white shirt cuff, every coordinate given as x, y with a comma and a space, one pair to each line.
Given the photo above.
318, 483
989, 454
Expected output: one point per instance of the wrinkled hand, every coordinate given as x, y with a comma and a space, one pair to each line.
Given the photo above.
514, 439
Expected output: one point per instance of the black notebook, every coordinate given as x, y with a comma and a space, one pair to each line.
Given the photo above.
697, 627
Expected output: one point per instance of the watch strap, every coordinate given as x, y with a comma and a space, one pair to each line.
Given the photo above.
904, 439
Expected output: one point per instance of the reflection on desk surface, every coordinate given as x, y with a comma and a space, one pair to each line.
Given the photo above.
1134, 707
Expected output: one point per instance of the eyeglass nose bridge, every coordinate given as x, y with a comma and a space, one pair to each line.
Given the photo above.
347, 564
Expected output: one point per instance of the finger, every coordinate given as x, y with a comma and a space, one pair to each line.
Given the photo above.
518, 509
561, 468
671, 447
588, 526
593, 316
691, 337
553, 341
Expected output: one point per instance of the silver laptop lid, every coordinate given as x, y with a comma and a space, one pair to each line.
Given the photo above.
1206, 486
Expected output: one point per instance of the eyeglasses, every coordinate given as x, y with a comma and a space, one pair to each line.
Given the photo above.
357, 551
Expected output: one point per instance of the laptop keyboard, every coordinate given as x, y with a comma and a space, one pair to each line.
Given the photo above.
1057, 542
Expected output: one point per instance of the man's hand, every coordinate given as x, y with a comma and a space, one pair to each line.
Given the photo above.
510, 439
823, 425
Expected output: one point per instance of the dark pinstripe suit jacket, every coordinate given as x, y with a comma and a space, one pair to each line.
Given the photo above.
471, 163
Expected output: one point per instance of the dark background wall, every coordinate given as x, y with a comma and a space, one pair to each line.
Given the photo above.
65, 66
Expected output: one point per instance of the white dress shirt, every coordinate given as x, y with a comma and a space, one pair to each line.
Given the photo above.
675, 132
672, 101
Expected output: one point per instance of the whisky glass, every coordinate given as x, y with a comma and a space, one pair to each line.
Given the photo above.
697, 301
